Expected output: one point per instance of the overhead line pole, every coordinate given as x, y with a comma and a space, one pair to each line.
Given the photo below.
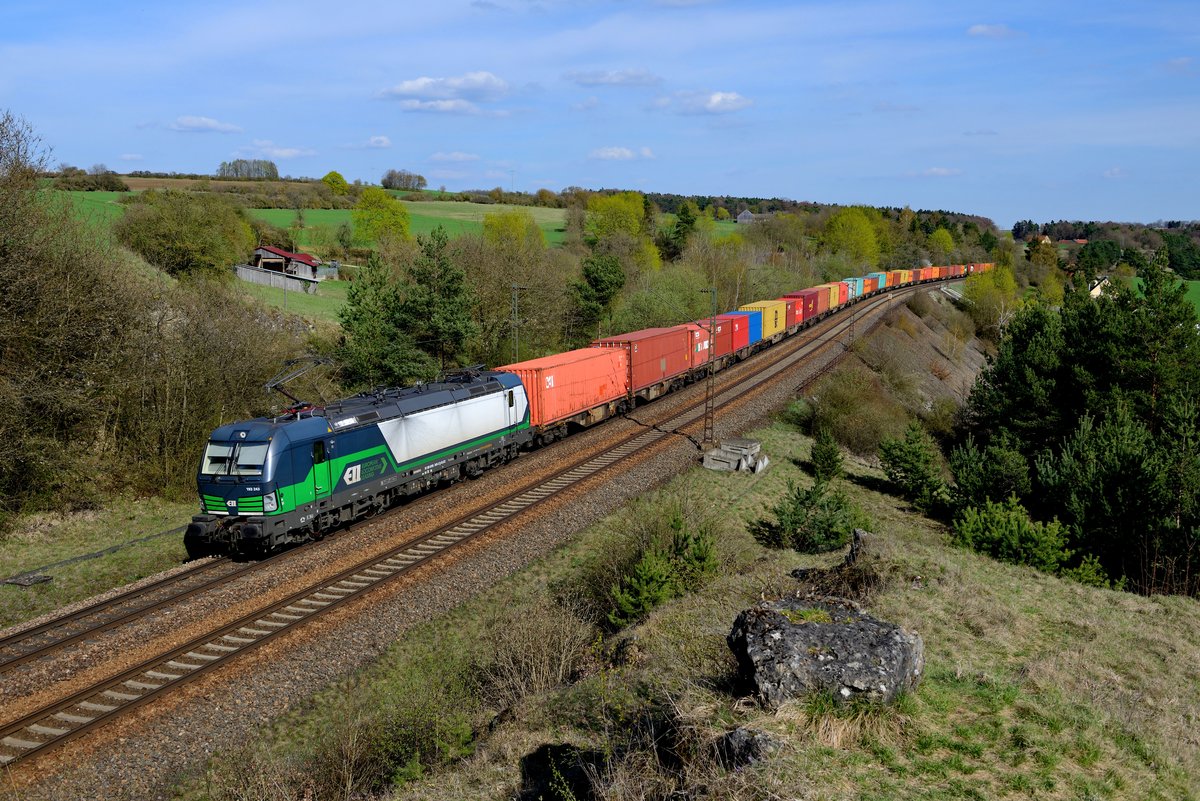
710, 439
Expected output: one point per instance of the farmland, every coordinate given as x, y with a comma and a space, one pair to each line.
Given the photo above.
457, 218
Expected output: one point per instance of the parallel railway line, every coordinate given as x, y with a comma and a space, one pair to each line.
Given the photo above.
72, 716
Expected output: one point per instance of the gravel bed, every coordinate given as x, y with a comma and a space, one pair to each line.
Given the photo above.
174, 736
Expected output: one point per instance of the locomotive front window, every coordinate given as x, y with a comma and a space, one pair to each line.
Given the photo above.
217, 458
249, 459
234, 458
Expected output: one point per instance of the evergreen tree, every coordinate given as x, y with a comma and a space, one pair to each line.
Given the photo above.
826, 456
437, 300
376, 348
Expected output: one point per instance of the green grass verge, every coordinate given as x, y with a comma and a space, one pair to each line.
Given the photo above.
322, 305
42, 539
1034, 687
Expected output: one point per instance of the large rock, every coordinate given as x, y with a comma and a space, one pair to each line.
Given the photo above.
795, 646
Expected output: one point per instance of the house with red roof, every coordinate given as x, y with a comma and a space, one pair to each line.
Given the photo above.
301, 265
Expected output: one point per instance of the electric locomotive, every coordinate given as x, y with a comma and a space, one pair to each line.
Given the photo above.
272, 482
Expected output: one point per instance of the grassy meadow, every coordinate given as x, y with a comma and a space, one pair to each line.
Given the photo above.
457, 218
323, 305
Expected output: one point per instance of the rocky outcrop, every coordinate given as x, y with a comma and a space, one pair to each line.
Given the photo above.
795, 646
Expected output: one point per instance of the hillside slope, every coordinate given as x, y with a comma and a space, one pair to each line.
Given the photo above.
1034, 687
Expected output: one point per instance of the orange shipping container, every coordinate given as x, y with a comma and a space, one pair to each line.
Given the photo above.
564, 384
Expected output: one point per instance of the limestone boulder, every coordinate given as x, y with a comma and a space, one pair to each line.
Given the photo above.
795, 646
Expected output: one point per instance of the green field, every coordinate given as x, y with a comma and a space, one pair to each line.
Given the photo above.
99, 208
103, 209
1193, 291
456, 218
323, 305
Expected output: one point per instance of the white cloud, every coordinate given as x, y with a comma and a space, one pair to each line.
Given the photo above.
884, 107
614, 78
190, 124
376, 142
1181, 65
271, 150
611, 154
130, 157
589, 104
620, 154
942, 172
1114, 172
476, 86
703, 102
1000, 31
454, 155
441, 106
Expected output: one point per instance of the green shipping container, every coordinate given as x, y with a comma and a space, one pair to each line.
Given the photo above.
774, 315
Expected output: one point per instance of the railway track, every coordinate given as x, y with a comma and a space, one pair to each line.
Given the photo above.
83, 711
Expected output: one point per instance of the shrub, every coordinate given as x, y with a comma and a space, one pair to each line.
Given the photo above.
666, 570
855, 406
531, 649
911, 465
1005, 531
814, 520
995, 472
826, 456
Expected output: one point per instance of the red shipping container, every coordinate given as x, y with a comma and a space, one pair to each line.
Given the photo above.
721, 339
565, 384
794, 309
655, 354
815, 301
739, 331
843, 292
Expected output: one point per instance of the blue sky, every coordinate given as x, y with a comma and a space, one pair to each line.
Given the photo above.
1079, 110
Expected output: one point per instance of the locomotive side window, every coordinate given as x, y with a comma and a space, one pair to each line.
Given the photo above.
510, 399
318, 452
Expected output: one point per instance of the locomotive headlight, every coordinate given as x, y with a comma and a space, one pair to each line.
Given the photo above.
269, 502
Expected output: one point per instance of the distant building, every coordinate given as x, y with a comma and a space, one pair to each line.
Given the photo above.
301, 265
747, 217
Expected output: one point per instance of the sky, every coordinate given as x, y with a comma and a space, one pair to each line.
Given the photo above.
1016, 110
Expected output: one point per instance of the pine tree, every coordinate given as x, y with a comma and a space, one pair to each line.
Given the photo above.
375, 348
826, 456
437, 301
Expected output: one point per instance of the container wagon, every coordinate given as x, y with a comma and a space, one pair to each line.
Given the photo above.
659, 359
774, 317
579, 387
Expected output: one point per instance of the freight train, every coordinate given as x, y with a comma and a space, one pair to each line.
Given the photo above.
272, 482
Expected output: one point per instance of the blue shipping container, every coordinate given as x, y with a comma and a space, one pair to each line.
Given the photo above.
855, 285
754, 318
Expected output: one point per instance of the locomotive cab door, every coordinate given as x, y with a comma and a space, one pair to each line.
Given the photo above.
322, 485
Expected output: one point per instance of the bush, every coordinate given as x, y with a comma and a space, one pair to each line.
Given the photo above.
855, 406
911, 465
184, 234
814, 520
530, 650
826, 456
996, 472
1004, 531
666, 570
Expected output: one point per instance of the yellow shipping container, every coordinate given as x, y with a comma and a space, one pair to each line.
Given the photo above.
835, 295
774, 315
906, 276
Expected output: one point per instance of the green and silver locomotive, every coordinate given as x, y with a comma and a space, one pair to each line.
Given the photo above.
272, 482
